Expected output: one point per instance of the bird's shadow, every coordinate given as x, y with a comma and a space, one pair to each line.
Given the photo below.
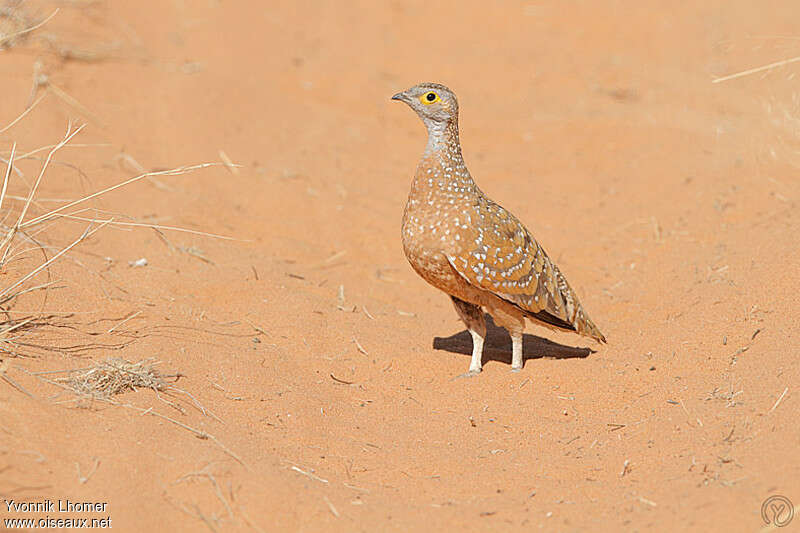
497, 346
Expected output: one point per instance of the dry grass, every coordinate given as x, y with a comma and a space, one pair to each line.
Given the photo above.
35, 234
22, 21
15, 24
115, 376
756, 70
24, 229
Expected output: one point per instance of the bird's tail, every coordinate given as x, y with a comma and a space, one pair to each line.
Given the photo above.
588, 328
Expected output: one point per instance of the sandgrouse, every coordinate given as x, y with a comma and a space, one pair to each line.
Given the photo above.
468, 246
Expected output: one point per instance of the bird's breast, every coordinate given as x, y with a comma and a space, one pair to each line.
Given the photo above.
436, 224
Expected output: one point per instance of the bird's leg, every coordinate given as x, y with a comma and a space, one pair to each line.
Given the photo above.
475, 363
516, 351
472, 315
514, 322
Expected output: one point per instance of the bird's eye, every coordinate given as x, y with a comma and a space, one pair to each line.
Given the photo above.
429, 97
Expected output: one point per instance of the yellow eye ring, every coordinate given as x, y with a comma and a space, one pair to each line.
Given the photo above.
429, 98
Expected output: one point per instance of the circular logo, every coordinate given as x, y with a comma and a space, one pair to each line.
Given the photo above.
777, 510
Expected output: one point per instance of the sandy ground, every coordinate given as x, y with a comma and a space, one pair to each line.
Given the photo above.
323, 364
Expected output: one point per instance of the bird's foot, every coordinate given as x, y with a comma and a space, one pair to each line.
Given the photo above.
516, 369
470, 374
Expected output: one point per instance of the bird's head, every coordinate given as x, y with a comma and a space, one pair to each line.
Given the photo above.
435, 104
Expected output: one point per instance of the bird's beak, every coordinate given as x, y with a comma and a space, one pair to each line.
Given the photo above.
399, 96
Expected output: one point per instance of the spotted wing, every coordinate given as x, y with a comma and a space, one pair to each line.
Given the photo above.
501, 256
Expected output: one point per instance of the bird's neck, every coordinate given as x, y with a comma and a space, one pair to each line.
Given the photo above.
442, 169
443, 144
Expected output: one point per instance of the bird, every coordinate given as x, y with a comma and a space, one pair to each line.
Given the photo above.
468, 246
